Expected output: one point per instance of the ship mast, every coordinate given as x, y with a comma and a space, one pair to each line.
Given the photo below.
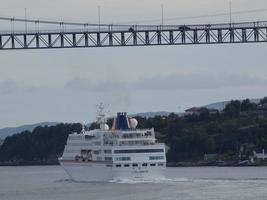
101, 116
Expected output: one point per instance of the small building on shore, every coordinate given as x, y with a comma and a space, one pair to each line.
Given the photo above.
260, 155
262, 107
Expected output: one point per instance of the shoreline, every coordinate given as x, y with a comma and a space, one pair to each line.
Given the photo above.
171, 164
215, 164
28, 163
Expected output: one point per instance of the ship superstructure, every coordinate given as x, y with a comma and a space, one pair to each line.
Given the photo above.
122, 152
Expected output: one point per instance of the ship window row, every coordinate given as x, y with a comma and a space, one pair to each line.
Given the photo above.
97, 143
142, 142
137, 135
96, 152
143, 165
123, 158
156, 157
108, 143
89, 137
139, 151
84, 144
107, 151
108, 158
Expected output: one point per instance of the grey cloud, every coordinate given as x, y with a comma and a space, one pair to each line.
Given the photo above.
79, 84
9, 87
198, 81
112, 91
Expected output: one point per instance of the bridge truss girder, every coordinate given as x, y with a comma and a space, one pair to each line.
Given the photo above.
79, 39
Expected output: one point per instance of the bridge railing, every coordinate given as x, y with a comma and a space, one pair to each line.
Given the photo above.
138, 28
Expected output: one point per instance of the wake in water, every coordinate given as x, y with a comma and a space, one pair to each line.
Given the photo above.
233, 180
175, 180
156, 180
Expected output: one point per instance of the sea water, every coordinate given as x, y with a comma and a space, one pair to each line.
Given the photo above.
181, 183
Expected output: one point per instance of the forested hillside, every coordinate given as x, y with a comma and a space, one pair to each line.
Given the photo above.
242, 126
42, 145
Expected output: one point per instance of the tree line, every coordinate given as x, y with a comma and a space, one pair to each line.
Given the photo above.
188, 137
43, 144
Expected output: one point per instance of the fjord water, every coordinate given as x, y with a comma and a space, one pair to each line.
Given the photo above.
185, 183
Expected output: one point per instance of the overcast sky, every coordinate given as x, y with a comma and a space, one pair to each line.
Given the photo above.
65, 85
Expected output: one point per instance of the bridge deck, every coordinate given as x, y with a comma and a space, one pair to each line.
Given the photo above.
134, 35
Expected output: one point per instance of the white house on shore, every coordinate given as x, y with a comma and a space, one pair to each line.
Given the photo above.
260, 155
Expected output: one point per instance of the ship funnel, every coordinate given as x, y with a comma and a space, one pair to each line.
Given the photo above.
121, 122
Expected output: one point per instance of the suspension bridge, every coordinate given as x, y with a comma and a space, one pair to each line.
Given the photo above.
81, 35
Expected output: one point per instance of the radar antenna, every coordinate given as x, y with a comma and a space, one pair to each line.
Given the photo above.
101, 115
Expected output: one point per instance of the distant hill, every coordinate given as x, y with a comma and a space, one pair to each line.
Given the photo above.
4, 132
150, 114
218, 105
221, 105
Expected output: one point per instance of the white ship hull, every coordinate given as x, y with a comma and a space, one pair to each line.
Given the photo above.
87, 172
139, 173
101, 172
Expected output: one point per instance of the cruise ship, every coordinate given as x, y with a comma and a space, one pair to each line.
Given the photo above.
120, 152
